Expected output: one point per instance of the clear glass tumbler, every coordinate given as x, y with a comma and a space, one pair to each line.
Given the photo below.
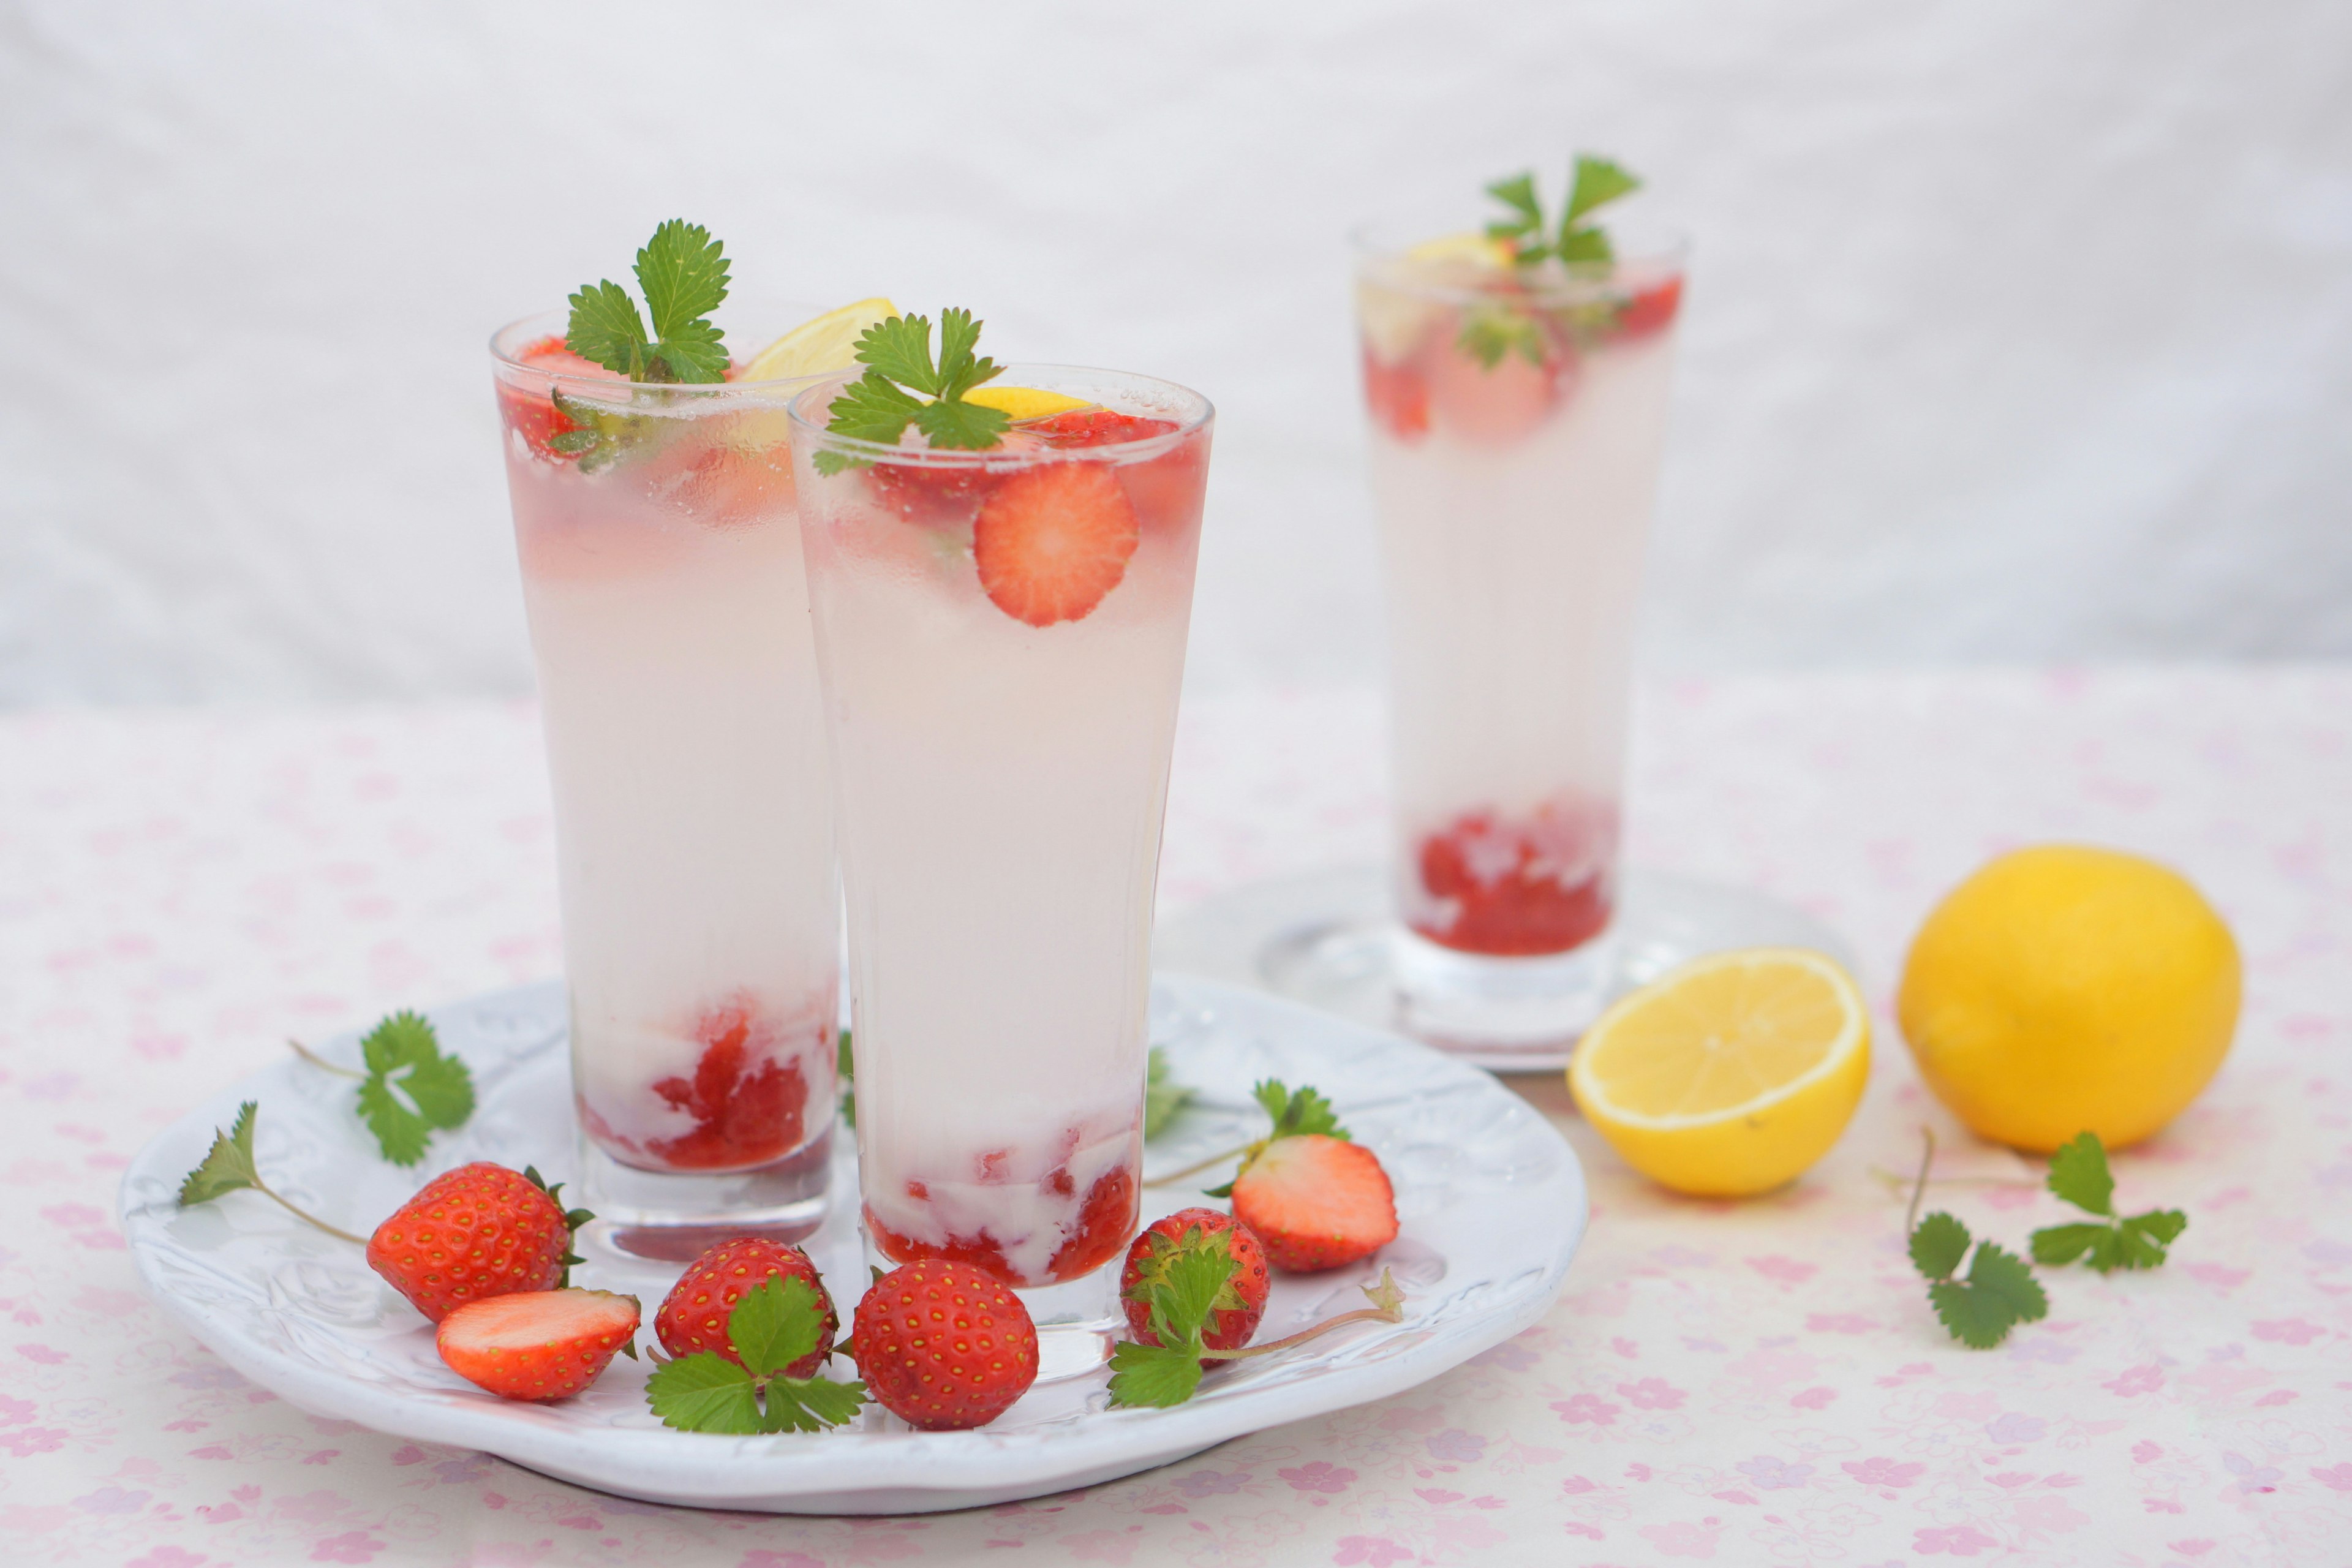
1001, 635
1518, 416
668, 609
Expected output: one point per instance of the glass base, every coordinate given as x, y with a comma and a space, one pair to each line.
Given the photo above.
674, 1216
1078, 1322
1330, 940
1469, 1001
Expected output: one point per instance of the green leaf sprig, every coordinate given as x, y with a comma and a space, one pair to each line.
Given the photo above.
770, 1328
1998, 1293
1294, 1113
1163, 1097
904, 385
683, 272
844, 1065
2079, 1176
228, 1166
410, 1089
1592, 184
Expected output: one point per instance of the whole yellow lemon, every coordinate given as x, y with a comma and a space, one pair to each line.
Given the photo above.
2063, 987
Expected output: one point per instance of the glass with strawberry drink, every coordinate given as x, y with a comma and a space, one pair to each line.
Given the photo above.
1517, 380
653, 499
1000, 566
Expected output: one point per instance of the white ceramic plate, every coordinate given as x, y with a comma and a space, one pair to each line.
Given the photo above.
1492, 1200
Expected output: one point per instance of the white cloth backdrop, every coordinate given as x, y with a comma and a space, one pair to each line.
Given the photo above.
2018, 331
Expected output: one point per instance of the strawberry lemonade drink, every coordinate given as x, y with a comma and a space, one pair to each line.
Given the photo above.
662, 572
1001, 576
1518, 382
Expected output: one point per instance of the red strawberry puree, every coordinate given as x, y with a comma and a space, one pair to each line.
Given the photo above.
746, 1095
1089, 1233
1509, 888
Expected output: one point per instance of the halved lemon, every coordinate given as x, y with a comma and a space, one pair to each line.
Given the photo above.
826, 342
1730, 1075
1025, 402
1476, 249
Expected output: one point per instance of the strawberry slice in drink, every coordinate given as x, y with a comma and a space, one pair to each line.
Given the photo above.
533, 414
1052, 541
1494, 405
1398, 395
1651, 310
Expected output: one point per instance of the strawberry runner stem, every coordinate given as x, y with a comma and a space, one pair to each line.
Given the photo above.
1388, 1309
316, 1060
332, 1230
1169, 1178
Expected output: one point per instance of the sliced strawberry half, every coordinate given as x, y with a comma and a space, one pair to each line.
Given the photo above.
1052, 541
1317, 1201
533, 414
1651, 310
1398, 395
1096, 427
537, 1344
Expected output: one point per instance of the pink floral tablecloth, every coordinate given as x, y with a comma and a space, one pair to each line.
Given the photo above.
1737, 1384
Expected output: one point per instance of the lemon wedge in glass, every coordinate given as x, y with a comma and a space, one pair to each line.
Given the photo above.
1730, 1075
825, 343
1020, 402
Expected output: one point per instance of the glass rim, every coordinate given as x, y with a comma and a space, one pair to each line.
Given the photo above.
1197, 416
526, 329
1656, 251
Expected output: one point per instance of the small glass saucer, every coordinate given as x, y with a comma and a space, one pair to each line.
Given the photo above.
1328, 940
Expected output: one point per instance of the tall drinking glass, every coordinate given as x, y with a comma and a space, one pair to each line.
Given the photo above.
1001, 637
662, 574
1518, 416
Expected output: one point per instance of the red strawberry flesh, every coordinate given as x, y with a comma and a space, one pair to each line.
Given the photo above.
693, 1316
1053, 540
1316, 1203
538, 1345
943, 1346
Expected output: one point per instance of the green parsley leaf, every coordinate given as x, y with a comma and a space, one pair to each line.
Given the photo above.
704, 1392
1152, 1377
2006, 1275
1304, 1111
902, 386
228, 1165
1163, 1097
1518, 194
775, 1325
1489, 331
1595, 182
1587, 246
2065, 1243
606, 327
845, 1065
2079, 1174
683, 272
2000, 1293
411, 1089
1939, 1245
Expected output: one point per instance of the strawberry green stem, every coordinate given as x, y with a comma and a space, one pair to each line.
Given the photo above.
312, 1218
1171, 1178
1919, 1187
316, 1060
1360, 1315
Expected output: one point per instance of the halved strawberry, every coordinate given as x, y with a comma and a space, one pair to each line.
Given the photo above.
1496, 405
533, 414
1239, 1307
537, 1344
1317, 1201
1052, 541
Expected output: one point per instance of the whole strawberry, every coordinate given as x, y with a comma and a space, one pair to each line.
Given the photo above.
1240, 1304
693, 1316
538, 1345
473, 1233
943, 1346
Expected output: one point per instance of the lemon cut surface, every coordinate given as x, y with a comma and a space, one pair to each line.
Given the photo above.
1730, 1075
819, 344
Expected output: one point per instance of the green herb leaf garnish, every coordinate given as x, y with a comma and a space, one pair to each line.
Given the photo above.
2079, 1176
845, 1066
683, 273
1593, 183
411, 1090
771, 1327
1163, 1097
903, 385
228, 1167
